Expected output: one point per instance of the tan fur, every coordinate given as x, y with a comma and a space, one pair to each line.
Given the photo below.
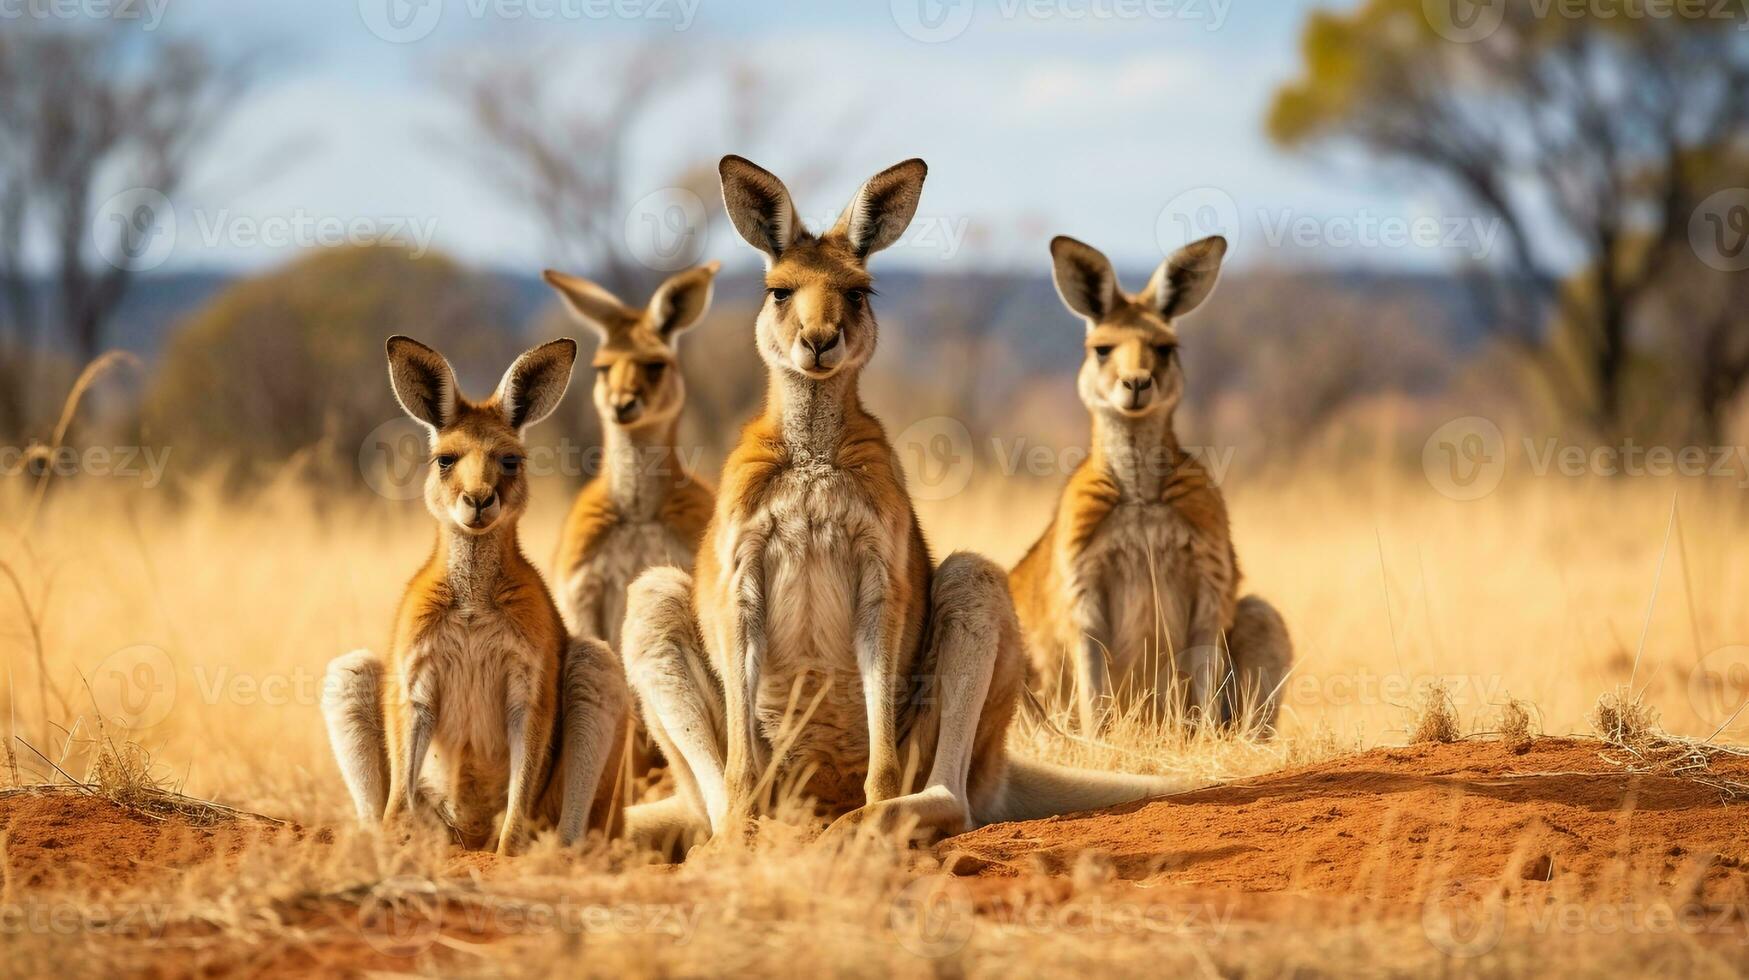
816, 645
1132, 590
487, 706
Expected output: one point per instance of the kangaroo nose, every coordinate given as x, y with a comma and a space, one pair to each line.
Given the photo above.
822, 346
625, 409
1139, 384
480, 501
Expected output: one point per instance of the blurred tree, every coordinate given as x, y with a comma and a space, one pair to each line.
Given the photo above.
290, 364
1577, 131
558, 136
86, 113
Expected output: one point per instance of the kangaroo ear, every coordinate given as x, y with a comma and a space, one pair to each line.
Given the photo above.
759, 206
1186, 278
536, 381
423, 382
681, 300
1084, 277
591, 305
883, 207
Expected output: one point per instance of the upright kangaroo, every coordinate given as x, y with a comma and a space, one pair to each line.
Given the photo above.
518, 719
645, 508
816, 643
1139, 552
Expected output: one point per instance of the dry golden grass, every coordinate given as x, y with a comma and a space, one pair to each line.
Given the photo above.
209, 625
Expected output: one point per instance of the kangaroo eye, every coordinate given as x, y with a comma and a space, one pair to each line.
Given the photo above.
446, 460
653, 371
1102, 352
855, 297
1165, 351
510, 464
781, 295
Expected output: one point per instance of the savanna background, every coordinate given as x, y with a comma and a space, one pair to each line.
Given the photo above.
1473, 384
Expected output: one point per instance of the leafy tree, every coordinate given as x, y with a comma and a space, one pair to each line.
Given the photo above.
1584, 129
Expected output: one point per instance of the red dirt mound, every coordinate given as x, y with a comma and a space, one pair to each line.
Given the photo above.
67, 837
1390, 824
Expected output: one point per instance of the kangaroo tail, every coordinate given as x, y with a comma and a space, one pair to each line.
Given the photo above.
1033, 790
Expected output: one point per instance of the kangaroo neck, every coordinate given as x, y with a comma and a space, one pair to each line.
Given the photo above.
1138, 454
640, 466
812, 414
476, 564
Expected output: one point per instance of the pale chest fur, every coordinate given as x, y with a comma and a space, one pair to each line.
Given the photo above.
594, 588
1146, 567
819, 533
477, 662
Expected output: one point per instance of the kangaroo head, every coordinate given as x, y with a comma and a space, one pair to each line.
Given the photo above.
477, 481
1131, 367
816, 320
637, 372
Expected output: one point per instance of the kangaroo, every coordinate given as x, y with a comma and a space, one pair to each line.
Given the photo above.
645, 508
1139, 548
519, 719
814, 588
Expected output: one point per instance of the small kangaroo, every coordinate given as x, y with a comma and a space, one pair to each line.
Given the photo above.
817, 643
645, 508
519, 719
1139, 548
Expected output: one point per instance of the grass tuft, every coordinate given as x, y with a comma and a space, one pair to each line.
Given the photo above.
1436, 715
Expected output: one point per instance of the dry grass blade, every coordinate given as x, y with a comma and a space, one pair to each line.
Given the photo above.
88, 377
1436, 716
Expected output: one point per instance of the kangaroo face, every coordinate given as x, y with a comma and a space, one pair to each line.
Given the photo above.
637, 365
816, 320
1131, 368
476, 482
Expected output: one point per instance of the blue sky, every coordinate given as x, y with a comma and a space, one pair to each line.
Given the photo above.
1129, 123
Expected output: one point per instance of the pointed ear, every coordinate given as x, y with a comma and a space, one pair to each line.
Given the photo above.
591, 305
535, 383
1084, 277
681, 300
423, 382
759, 206
1186, 278
883, 207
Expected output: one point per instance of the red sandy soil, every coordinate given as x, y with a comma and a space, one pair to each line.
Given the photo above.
1386, 830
